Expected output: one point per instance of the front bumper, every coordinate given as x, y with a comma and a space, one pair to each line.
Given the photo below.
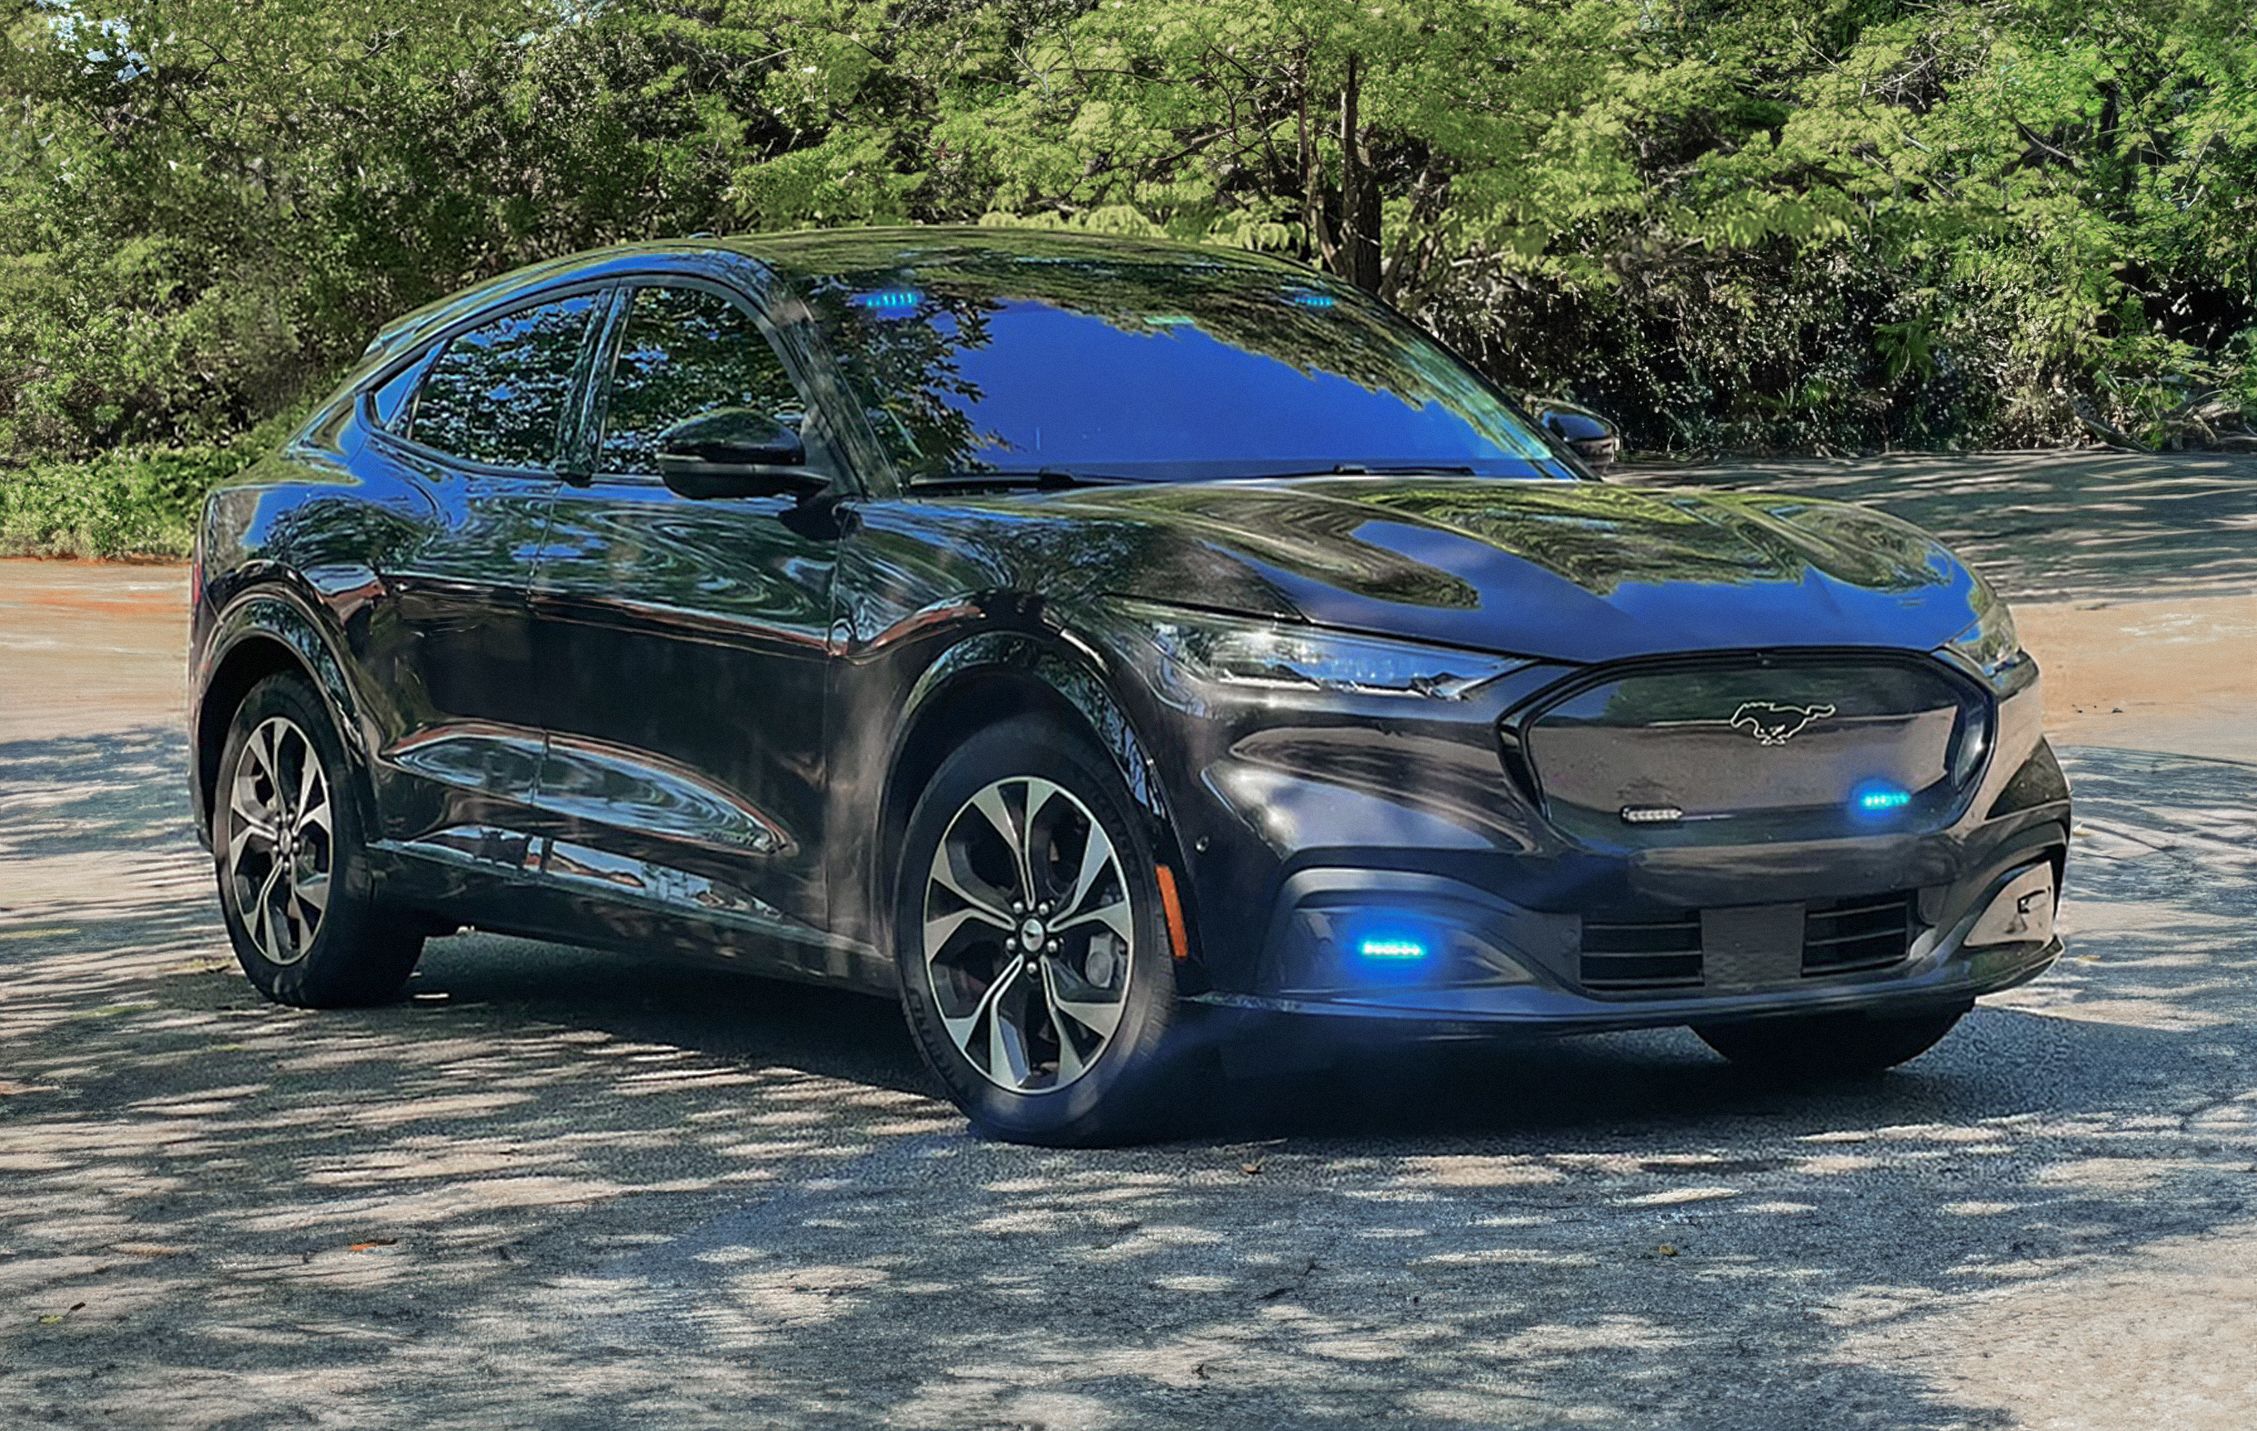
1397, 826
1427, 831
1483, 965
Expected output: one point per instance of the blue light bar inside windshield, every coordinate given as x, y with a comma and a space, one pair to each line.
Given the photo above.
888, 300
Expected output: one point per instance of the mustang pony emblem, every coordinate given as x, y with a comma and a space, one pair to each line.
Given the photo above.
1774, 724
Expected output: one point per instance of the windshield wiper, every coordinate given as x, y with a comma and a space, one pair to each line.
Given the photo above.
1045, 478
1386, 469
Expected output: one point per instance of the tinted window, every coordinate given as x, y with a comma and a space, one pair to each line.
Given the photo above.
497, 393
976, 361
391, 400
685, 353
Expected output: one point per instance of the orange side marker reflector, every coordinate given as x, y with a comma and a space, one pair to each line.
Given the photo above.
1171, 905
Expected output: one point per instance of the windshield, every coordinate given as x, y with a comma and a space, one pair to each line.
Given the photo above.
1168, 370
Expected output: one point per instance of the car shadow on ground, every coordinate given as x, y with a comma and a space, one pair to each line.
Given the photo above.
613, 1188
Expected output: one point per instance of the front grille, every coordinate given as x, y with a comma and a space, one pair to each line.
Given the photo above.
1749, 752
1849, 935
1746, 946
1655, 954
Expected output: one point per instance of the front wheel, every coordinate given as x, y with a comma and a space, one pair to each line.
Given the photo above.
1035, 971
1830, 1046
293, 881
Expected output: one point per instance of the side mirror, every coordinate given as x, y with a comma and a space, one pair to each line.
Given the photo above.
1593, 438
735, 453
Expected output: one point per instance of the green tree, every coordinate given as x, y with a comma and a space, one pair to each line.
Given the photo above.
1760, 224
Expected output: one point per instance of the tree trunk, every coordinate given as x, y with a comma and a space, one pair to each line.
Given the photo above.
1359, 257
1312, 184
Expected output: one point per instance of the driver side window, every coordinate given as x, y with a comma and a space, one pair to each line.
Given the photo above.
685, 352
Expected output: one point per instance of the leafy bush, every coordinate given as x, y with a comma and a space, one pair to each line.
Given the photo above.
128, 502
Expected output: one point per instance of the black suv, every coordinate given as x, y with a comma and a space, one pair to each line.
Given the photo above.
1076, 639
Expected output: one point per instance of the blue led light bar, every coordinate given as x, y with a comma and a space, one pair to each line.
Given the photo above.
1391, 947
1311, 300
888, 300
1879, 799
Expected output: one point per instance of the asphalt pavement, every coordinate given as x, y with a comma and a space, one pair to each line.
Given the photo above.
559, 1188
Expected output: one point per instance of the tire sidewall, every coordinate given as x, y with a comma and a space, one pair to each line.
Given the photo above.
1110, 1099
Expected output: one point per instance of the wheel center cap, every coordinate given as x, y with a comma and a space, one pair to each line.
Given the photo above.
1031, 933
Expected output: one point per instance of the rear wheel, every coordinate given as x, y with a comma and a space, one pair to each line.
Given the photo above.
1823, 1046
293, 880
1034, 969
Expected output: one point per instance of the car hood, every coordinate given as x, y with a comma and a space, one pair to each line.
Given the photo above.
1570, 571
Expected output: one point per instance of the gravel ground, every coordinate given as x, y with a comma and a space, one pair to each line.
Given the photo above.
558, 1188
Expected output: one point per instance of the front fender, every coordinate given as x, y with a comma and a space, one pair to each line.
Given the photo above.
969, 678
1069, 668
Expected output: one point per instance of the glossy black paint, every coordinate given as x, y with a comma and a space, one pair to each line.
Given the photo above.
588, 706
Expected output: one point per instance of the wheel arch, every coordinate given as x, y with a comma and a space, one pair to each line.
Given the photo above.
266, 632
991, 677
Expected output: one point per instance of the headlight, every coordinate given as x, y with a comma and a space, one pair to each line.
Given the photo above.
1248, 651
1991, 645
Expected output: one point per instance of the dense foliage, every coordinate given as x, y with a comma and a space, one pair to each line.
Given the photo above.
1771, 224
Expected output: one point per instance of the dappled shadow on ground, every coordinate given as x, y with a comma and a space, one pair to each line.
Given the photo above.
562, 1187
2046, 525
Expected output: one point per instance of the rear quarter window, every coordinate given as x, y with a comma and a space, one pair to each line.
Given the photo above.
388, 402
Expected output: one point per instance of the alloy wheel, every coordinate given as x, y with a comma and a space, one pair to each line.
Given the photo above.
277, 840
1028, 934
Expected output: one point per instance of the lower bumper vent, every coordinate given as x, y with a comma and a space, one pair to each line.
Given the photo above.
1849, 935
1623, 957
1747, 946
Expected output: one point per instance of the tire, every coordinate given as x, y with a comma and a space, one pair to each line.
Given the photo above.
1830, 1046
999, 1051
336, 948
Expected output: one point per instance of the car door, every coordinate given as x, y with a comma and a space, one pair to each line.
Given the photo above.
474, 422
683, 644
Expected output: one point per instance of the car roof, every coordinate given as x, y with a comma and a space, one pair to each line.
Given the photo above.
815, 254
819, 253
